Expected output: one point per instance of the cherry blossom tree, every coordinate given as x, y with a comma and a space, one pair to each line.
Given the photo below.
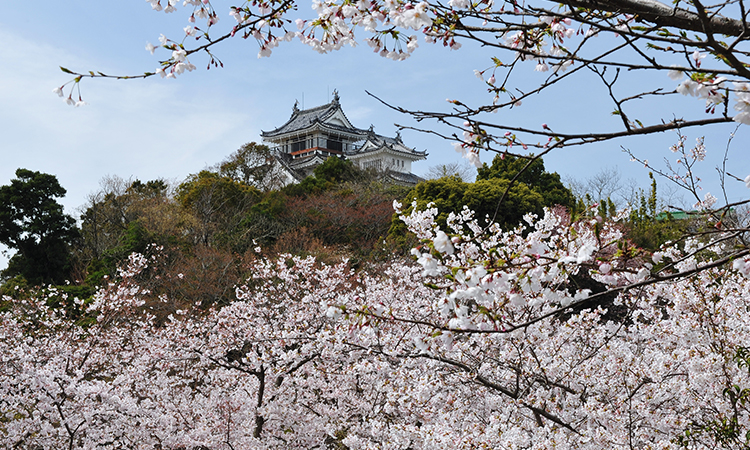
558, 333
638, 52
701, 47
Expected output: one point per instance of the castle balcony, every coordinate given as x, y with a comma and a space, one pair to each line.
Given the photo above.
316, 151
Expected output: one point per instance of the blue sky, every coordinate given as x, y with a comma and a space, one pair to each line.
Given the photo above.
157, 128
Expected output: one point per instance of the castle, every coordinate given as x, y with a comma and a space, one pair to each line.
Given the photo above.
310, 136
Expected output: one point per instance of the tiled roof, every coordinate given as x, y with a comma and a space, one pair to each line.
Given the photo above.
304, 118
377, 142
405, 178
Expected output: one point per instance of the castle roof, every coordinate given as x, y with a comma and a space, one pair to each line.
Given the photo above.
376, 143
329, 117
310, 136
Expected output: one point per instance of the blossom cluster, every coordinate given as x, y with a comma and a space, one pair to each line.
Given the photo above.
550, 335
698, 85
742, 92
714, 90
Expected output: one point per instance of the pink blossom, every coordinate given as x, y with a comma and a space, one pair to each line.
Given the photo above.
443, 243
675, 74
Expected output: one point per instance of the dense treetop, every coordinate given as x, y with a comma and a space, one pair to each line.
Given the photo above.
33, 223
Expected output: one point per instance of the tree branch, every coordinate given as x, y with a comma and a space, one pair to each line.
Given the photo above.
663, 15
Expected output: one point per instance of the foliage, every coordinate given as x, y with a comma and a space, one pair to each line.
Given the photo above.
531, 172
481, 345
649, 229
219, 204
502, 193
355, 215
333, 172
214, 220
33, 223
447, 194
125, 216
337, 170
252, 164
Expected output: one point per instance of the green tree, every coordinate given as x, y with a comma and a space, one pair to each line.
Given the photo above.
33, 223
648, 229
338, 170
546, 184
219, 205
450, 194
494, 197
126, 216
447, 194
333, 172
252, 164
484, 198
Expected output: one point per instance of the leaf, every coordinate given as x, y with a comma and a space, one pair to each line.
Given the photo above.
67, 70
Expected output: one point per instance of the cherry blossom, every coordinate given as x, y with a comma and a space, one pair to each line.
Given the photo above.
697, 57
558, 333
442, 243
485, 346
554, 40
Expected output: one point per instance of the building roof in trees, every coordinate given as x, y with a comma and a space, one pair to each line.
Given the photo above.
376, 143
329, 117
677, 215
406, 179
312, 135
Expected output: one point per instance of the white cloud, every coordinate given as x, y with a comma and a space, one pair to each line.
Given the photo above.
144, 128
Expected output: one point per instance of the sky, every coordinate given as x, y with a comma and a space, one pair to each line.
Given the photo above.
171, 128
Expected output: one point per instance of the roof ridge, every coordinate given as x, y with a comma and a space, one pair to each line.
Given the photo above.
319, 107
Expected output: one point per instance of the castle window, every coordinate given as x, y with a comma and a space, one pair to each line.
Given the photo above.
372, 165
335, 145
299, 145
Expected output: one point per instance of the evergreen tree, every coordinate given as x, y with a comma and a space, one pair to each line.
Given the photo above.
33, 223
546, 184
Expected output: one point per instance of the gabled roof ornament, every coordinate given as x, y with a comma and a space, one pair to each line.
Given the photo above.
335, 97
295, 108
398, 136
